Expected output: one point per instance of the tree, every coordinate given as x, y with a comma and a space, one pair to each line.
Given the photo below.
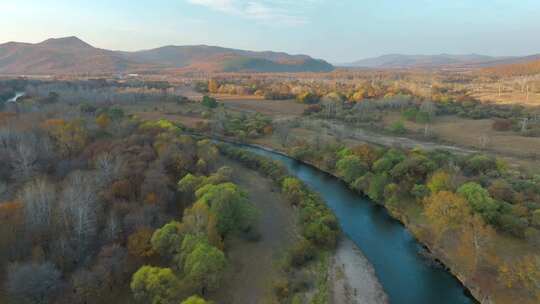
351, 168
155, 285
293, 190
33, 283
376, 187
109, 167
446, 210
86, 286
283, 133
195, 300
480, 201
79, 208
213, 86
307, 98
204, 265
168, 239
70, 136
209, 102
476, 239
440, 181
230, 206
198, 220
139, 243
38, 198
103, 121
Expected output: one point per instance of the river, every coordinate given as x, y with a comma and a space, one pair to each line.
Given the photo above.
394, 253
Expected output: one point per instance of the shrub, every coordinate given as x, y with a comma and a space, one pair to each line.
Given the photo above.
398, 128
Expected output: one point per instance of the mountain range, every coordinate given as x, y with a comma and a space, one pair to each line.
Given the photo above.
71, 55
400, 61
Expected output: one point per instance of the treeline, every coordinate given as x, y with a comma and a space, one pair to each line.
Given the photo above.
463, 206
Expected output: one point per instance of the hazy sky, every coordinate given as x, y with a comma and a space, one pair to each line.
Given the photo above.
336, 30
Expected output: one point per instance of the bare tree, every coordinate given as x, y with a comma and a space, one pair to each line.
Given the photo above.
38, 198
33, 283
283, 132
79, 207
24, 159
109, 168
524, 124
428, 107
113, 228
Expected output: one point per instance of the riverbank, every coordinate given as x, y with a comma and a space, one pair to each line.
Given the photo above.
437, 255
352, 277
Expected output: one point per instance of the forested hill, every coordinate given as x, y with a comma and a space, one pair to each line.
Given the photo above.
71, 55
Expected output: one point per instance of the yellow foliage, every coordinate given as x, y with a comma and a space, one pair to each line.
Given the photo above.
103, 121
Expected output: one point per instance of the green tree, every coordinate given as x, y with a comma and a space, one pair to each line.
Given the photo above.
168, 239
155, 285
209, 102
376, 187
190, 183
195, 300
391, 158
230, 205
351, 168
480, 201
204, 265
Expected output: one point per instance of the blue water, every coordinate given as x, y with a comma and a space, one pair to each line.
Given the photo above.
405, 276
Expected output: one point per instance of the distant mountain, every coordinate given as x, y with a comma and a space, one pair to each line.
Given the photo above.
71, 55
59, 56
398, 61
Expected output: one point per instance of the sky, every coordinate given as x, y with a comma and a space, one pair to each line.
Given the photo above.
339, 31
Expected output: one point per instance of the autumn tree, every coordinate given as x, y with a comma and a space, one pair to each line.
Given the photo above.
476, 241
200, 221
440, 181
446, 210
103, 121
139, 243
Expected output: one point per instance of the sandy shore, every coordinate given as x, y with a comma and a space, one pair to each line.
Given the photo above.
353, 277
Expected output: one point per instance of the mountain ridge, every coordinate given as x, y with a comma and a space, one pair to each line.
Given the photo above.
71, 55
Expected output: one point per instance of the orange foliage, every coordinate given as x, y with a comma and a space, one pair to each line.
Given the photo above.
268, 130
139, 244
121, 189
151, 198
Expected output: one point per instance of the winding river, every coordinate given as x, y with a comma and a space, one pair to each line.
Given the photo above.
404, 274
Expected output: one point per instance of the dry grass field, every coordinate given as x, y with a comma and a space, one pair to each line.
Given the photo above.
268, 107
471, 133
